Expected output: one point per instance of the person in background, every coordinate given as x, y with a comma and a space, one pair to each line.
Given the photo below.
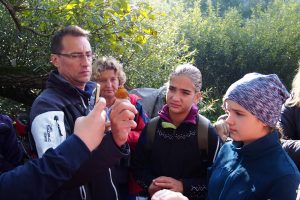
69, 95
253, 165
290, 114
109, 73
174, 160
11, 153
290, 121
39, 178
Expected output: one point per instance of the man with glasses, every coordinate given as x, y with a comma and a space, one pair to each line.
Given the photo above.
39, 178
69, 95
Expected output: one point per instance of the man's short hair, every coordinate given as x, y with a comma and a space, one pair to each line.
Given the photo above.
56, 45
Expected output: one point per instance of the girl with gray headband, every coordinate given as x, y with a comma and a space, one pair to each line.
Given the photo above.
253, 165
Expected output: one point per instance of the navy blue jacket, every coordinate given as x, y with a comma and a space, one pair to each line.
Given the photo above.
38, 179
52, 119
259, 170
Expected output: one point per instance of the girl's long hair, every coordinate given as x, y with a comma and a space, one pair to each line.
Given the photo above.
294, 100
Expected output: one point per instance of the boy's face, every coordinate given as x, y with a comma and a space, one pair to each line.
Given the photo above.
181, 95
243, 126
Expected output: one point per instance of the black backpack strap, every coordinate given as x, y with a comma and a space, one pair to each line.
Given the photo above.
202, 132
151, 129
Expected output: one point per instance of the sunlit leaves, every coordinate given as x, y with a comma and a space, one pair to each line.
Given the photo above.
231, 45
116, 25
141, 39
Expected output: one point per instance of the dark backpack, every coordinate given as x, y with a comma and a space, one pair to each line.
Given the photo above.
152, 100
202, 132
11, 153
24, 136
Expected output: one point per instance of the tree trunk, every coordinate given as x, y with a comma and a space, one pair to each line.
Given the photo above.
23, 88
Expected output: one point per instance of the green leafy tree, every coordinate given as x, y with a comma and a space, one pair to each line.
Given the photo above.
116, 27
229, 46
151, 66
224, 39
144, 36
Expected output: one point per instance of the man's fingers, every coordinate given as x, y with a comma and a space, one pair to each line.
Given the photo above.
122, 120
126, 124
90, 128
129, 115
99, 107
163, 185
116, 109
162, 179
132, 124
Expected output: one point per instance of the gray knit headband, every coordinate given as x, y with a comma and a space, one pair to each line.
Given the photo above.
262, 95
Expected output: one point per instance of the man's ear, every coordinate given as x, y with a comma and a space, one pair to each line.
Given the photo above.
54, 60
197, 97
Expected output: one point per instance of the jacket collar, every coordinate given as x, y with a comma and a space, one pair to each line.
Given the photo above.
255, 148
190, 118
57, 81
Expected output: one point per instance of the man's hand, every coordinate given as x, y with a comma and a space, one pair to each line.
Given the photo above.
169, 183
122, 120
222, 127
153, 189
90, 129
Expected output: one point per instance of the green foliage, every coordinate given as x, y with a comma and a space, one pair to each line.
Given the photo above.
116, 27
11, 108
225, 39
20, 48
151, 66
230, 46
145, 38
210, 107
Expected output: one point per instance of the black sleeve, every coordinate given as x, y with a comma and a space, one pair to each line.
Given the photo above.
288, 122
40, 178
292, 147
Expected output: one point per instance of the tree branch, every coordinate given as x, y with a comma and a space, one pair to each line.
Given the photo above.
12, 13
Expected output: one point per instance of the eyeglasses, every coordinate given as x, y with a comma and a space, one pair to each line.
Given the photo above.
77, 56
